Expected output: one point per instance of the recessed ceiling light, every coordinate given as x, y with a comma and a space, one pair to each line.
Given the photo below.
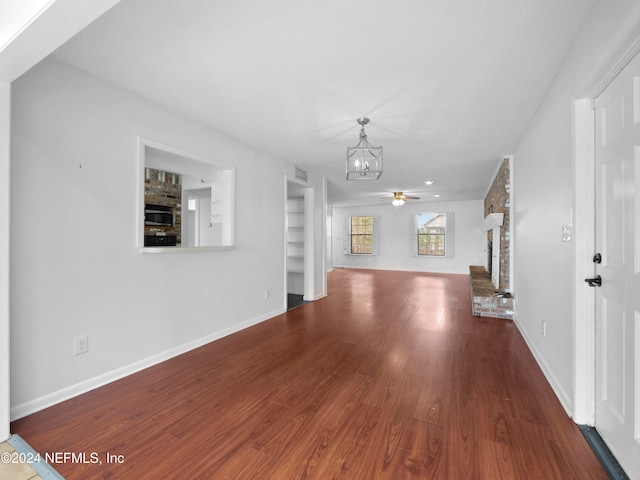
437, 195
428, 182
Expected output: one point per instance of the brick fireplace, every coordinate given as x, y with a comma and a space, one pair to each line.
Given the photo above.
489, 299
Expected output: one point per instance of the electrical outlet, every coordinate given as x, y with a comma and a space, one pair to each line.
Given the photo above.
80, 345
267, 294
543, 328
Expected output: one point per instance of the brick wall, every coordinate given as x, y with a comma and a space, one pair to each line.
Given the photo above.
497, 201
164, 188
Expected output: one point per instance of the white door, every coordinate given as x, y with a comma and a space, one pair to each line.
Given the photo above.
618, 241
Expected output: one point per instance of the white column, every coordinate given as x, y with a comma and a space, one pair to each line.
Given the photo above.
5, 137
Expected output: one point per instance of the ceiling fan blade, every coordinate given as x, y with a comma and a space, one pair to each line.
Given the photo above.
412, 198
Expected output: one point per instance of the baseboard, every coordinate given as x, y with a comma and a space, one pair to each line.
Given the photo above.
398, 269
33, 406
561, 394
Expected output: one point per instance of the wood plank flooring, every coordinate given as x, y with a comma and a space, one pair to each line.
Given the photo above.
389, 377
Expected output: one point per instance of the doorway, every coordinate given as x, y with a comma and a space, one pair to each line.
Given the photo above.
616, 279
299, 252
197, 228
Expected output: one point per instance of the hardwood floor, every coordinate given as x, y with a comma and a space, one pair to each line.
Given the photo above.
389, 377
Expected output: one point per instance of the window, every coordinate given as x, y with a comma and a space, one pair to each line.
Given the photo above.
432, 234
360, 235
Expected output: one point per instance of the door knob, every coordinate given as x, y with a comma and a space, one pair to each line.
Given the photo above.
594, 282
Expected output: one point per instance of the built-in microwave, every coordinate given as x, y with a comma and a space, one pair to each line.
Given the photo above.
158, 215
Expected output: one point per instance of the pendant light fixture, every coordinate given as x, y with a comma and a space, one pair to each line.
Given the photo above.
364, 161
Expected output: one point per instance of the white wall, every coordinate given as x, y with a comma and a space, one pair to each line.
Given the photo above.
395, 228
29, 33
77, 273
543, 190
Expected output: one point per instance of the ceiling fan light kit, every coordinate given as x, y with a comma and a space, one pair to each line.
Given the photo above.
399, 198
364, 161
398, 201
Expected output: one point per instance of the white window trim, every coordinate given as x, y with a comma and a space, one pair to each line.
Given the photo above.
449, 236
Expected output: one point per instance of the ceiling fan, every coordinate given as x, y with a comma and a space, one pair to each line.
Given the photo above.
399, 198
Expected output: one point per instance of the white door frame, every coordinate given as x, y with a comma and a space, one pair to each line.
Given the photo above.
584, 322
309, 249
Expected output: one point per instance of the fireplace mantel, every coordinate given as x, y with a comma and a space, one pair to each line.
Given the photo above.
492, 221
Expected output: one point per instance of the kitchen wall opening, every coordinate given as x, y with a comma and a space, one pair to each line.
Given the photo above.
185, 202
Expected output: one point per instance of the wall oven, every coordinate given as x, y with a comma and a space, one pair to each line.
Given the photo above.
158, 215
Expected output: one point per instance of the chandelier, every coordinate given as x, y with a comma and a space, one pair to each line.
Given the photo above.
364, 161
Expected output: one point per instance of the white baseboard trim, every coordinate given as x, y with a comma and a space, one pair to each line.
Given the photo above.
397, 269
33, 406
561, 394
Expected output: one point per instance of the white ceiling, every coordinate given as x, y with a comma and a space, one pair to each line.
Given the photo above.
449, 86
